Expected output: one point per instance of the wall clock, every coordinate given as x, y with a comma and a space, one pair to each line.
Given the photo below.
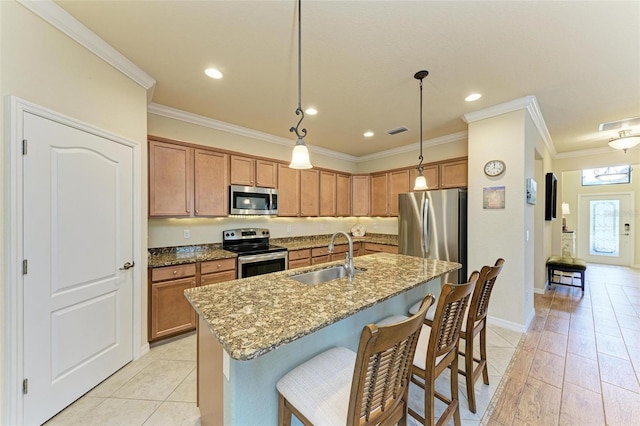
494, 168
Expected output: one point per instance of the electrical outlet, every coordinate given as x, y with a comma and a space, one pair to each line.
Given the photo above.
186, 234
322, 226
288, 228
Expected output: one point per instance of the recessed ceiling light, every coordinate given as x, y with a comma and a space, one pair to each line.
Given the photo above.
311, 111
368, 134
213, 73
473, 97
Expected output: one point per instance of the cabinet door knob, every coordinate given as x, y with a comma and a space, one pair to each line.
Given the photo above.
188, 211
219, 266
175, 272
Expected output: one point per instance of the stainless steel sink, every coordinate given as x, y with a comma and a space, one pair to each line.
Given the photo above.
323, 275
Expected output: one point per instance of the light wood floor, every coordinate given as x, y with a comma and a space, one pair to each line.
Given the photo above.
580, 360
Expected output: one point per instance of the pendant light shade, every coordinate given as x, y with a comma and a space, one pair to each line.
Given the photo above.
421, 181
624, 141
300, 155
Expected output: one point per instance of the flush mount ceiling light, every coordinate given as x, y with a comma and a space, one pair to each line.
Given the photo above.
368, 134
624, 141
473, 97
311, 111
300, 155
213, 73
421, 181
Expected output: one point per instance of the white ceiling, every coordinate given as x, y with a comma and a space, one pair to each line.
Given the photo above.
580, 59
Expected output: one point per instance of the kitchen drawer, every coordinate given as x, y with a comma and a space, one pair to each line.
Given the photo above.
173, 272
373, 247
319, 251
217, 266
316, 260
299, 263
218, 277
299, 254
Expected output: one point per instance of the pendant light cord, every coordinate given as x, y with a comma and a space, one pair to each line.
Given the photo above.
420, 157
303, 133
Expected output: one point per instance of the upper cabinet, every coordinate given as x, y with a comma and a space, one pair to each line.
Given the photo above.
309, 192
170, 180
398, 183
360, 195
453, 174
253, 172
343, 195
379, 194
187, 182
328, 193
288, 191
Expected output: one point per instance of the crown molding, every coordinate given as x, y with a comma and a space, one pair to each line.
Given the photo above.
583, 153
453, 137
63, 21
212, 123
528, 103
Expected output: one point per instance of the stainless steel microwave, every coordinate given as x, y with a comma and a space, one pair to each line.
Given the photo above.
252, 200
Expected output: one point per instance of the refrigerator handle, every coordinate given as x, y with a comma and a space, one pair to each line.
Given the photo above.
426, 231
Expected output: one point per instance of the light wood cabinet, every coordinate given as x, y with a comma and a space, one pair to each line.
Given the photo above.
170, 180
299, 258
217, 271
288, 191
340, 249
211, 183
453, 174
343, 195
253, 172
370, 248
187, 182
169, 311
379, 194
328, 195
360, 195
398, 183
309, 193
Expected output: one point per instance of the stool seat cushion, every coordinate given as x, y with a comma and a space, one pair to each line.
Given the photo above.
420, 358
567, 263
320, 388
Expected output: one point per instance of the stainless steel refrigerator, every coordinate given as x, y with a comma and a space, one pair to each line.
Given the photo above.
433, 224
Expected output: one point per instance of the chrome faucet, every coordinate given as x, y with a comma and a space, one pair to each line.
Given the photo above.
348, 261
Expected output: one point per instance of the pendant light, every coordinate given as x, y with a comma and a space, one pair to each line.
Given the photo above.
624, 141
300, 155
421, 181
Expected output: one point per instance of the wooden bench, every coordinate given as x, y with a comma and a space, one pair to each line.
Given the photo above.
557, 265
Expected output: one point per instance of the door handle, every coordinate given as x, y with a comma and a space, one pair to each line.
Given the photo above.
128, 266
625, 234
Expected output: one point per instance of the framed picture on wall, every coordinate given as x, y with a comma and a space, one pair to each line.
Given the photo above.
550, 196
532, 192
493, 197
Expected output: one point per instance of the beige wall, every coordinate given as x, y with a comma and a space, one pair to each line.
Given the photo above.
41, 65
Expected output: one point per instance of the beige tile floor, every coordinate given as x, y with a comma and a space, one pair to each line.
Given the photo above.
579, 363
160, 387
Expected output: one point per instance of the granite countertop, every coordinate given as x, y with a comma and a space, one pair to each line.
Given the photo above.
253, 316
313, 241
169, 256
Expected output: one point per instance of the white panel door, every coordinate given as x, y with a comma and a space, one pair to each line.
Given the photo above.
77, 236
605, 228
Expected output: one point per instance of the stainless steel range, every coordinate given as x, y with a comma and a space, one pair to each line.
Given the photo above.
255, 255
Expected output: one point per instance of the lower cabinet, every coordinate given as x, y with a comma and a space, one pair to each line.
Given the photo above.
299, 258
370, 248
170, 313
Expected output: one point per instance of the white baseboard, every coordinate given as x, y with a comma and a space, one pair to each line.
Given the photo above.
509, 325
143, 350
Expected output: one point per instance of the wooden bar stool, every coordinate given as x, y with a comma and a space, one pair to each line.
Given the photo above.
370, 387
475, 323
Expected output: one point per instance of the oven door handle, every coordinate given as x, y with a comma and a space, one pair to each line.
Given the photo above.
262, 257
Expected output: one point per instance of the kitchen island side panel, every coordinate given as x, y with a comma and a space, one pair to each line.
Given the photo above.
250, 395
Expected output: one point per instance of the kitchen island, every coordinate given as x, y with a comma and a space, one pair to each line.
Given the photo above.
253, 331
